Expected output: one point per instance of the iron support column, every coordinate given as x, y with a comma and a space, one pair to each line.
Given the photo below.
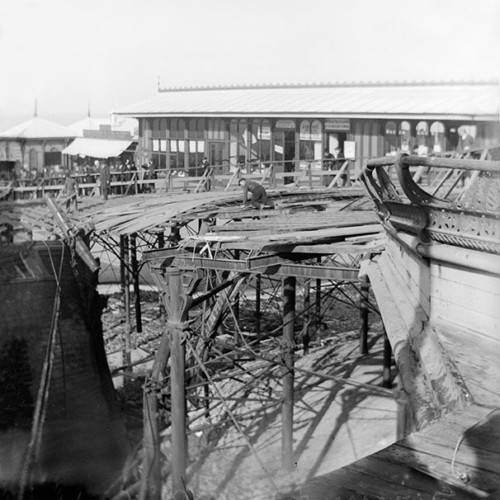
135, 276
288, 346
124, 268
386, 375
258, 282
236, 308
306, 337
363, 315
176, 314
318, 304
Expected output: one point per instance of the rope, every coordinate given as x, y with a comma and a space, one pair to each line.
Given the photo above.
463, 476
43, 390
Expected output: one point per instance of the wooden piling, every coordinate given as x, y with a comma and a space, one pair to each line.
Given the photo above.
288, 344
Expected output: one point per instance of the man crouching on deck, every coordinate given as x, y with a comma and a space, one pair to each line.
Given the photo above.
259, 196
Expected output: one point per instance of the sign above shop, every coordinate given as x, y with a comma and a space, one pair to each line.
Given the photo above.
285, 124
338, 124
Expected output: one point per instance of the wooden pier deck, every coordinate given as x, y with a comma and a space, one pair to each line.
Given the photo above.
456, 457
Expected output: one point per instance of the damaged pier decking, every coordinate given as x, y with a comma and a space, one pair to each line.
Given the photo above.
202, 249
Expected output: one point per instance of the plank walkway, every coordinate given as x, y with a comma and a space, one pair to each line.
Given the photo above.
425, 465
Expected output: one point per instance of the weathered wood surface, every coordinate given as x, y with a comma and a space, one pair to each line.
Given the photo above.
477, 358
420, 465
467, 298
301, 216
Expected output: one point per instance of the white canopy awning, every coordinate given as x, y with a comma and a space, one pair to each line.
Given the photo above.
97, 148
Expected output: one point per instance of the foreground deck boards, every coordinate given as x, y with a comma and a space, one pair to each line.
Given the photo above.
420, 465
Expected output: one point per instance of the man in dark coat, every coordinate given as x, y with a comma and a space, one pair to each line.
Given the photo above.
105, 178
259, 196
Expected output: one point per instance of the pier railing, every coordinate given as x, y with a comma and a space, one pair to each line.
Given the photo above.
324, 173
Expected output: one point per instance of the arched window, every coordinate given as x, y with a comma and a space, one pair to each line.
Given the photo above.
438, 131
405, 136
156, 129
422, 130
163, 128
173, 128
375, 139
310, 136
181, 127
305, 130
192, 129
200, 129
366, 143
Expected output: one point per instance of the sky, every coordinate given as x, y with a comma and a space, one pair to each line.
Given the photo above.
112, 53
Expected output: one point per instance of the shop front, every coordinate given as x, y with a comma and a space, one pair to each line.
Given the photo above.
297, 127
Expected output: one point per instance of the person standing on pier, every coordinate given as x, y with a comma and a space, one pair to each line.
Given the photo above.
70, 190
259, 199
104, 177
207, 173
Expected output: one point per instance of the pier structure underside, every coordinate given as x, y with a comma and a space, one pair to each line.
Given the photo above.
236, 285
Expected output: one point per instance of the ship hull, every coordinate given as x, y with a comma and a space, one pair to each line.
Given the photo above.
59, 423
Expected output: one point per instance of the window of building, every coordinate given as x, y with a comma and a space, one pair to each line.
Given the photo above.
405, 137
159, 144
147, 135
176, 144
243, 141
176, 154
438, 137
217, 130
52, 157
196, 129
33, 159
390, 140
196, 151
310, 142
261, 140
422, 138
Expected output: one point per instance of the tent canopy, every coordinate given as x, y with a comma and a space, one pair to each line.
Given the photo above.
97, 148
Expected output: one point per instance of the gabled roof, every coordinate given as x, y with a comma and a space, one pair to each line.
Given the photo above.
471, 101
37, 128
121, 124
87, 123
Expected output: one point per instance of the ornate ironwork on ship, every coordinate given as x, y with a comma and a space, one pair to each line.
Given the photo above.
468, 217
